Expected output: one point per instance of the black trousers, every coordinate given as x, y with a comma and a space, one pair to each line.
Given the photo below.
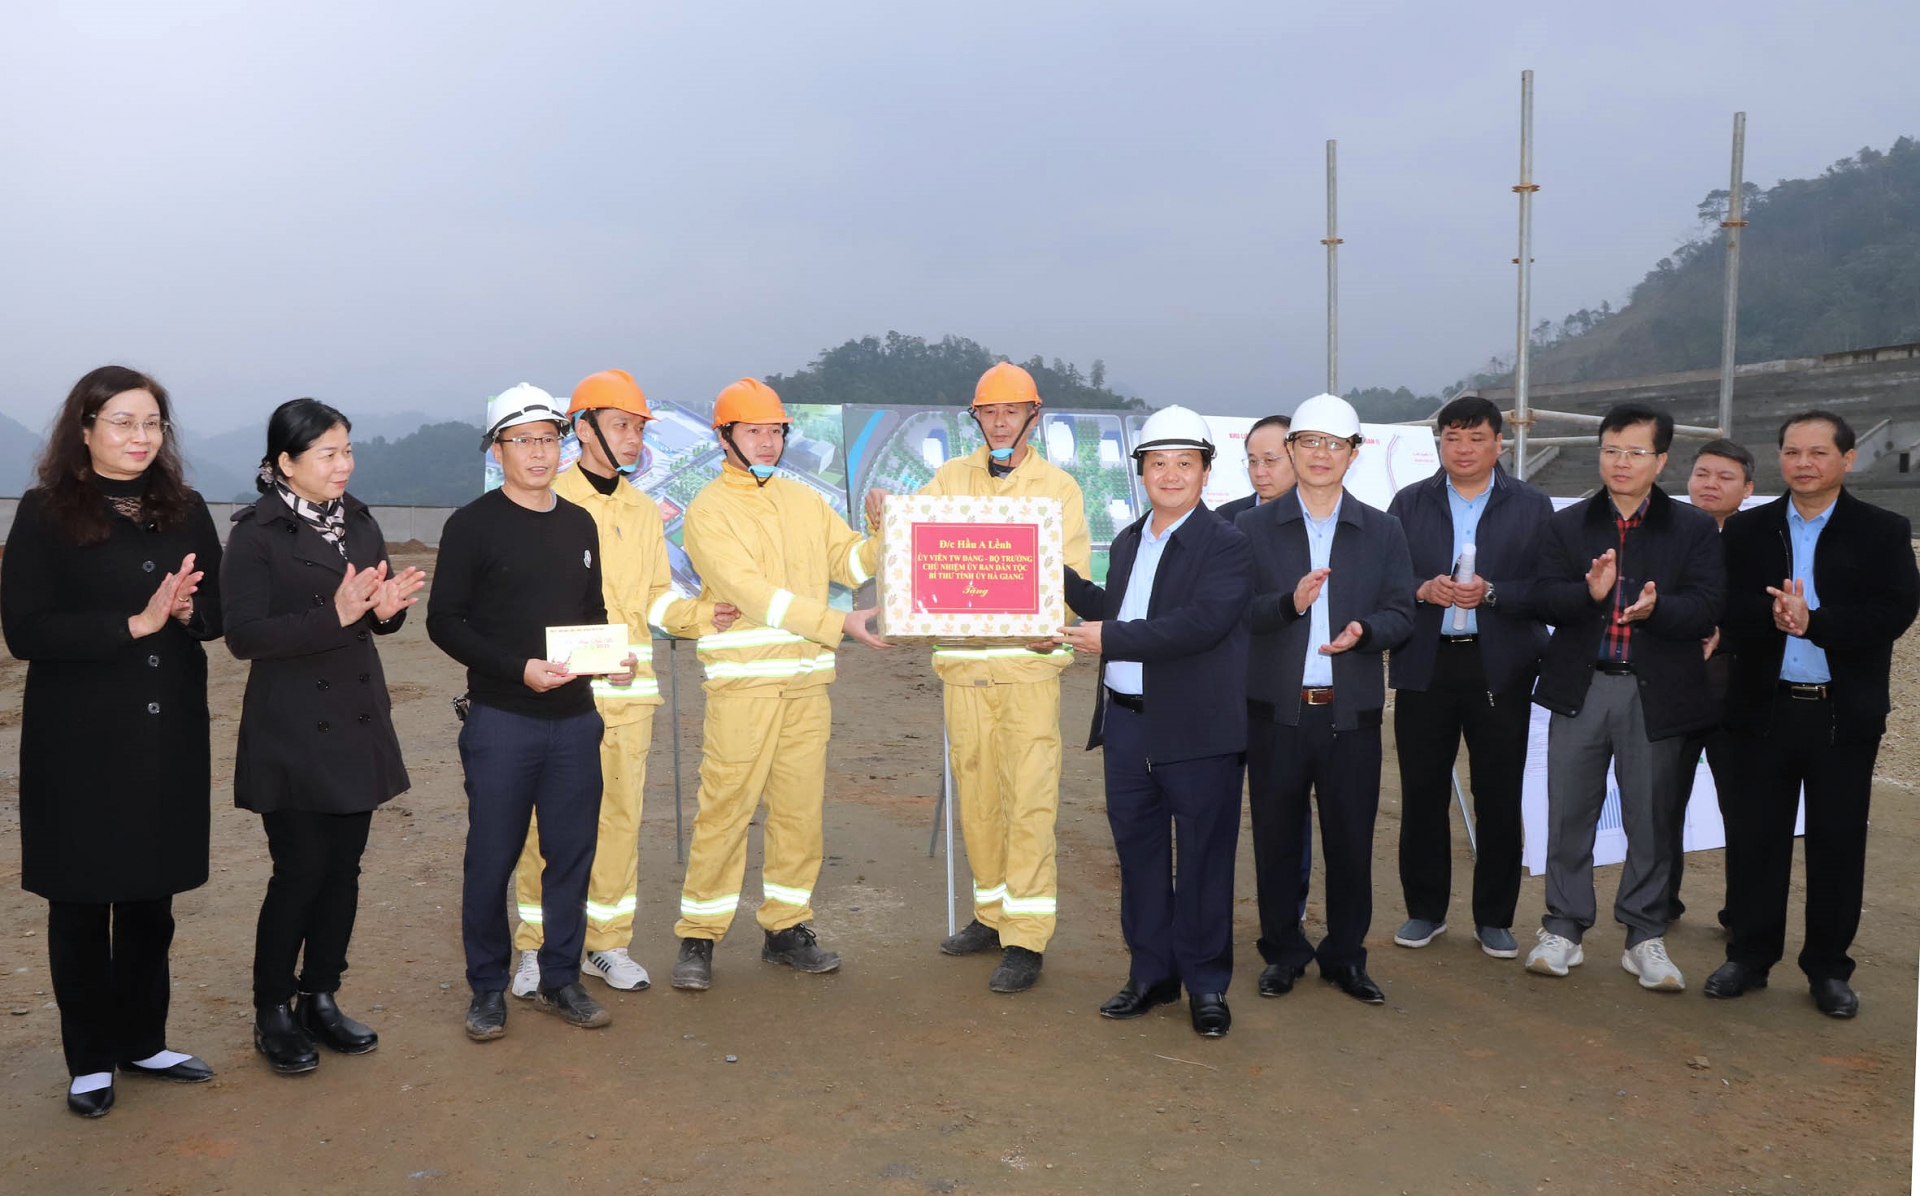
1718, 746
1287, 767
109, 965
1798, 748
1427, 729
311, 901
516, 764
1178, 924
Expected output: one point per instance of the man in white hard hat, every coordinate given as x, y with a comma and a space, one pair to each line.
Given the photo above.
1333, 591
514, 562
1171, 633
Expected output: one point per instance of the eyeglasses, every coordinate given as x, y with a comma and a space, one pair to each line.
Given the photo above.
1615, 452
531, 442
1272, 461
1314, 444
124, 425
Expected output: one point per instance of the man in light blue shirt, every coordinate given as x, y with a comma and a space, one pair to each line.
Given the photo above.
1804, 661
1124, 676
1318, 672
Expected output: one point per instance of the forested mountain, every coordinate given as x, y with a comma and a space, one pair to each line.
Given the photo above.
1826, 264
909, 369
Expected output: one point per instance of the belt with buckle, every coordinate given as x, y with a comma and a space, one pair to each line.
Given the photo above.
1471, 637
1615, 668
1318, 695
1133, 702
1806, 691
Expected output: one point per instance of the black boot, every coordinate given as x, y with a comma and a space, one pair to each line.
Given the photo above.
279, 1037
974, 937
799, 948
326, 1025
694, 969
1018, 969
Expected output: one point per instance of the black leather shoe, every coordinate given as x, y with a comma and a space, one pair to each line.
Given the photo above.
571, 1004
1018, 971
799, 948
1132, 1001
91, 1104
975, 936
191, 1070
1276, 979
1731, 979
1210, 1015
1355, 983
326, 1025
487, 1016
1835, 998
277, 1036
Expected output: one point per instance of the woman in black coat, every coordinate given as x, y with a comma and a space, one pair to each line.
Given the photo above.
107, 589
307, 588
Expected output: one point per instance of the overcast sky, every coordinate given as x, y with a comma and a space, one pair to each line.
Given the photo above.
411, 205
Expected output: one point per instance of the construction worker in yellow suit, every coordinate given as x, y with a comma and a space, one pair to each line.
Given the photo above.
1003, 704
610, 413
769, 546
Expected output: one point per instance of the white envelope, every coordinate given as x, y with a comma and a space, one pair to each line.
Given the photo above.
589, 648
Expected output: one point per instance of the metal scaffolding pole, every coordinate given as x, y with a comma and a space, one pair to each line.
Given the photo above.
1332, 242
1733, 224
1522, 420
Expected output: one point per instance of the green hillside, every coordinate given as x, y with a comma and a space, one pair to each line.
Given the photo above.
1826, 264
901, 369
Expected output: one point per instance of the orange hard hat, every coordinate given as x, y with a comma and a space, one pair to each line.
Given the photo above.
748, 401
610, 388
1005, 383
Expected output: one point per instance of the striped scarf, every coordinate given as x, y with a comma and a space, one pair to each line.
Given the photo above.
329, 518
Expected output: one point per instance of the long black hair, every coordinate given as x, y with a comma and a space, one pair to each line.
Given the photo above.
65, 467
292, 429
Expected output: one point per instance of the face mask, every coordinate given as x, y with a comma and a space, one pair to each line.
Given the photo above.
1005, 454
763, 472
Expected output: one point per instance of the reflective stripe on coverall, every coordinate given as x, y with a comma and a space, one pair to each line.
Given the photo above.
771, 551
1003, 726
637, 582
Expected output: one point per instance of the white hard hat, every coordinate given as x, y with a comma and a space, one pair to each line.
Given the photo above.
1174, 428
522, 404
1328, 414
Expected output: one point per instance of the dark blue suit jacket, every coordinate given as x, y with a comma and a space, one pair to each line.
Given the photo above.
1193, 642
1512, 637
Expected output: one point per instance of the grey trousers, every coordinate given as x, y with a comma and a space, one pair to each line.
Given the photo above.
1611, 726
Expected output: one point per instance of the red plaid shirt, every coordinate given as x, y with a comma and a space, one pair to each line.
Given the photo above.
1617, 644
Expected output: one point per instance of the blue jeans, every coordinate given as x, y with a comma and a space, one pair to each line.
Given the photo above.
515, 765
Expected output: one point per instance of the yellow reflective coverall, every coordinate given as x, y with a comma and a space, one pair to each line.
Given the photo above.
1003, 726
637, 582
771, 551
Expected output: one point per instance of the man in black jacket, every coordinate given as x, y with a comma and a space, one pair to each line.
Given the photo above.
1468, 670
1171, 633
1820, 584
1631, 582
1333, 589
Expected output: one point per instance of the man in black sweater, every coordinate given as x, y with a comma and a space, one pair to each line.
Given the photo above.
1819, 585
514, 562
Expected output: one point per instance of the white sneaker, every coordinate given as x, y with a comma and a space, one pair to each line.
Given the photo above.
1553, 955
617, 968
1649, 962
526, 977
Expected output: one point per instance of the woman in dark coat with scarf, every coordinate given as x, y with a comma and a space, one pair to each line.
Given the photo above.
108, 587
307, 588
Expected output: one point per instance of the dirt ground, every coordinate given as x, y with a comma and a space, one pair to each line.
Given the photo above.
903, 1074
